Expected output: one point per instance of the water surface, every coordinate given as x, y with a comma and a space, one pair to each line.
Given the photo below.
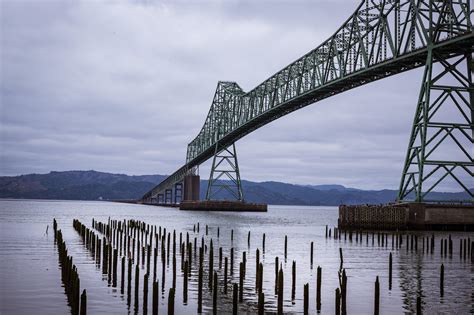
30, 275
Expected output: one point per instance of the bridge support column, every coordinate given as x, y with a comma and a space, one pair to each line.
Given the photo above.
225, 174
178, 192
168, 196
191, 187
160, 198
440, 147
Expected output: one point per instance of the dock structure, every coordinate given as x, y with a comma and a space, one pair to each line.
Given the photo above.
407, 216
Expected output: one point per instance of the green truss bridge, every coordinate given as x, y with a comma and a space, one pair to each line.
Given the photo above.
380, 39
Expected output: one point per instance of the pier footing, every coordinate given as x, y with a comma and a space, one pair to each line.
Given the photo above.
409, 216
222, 205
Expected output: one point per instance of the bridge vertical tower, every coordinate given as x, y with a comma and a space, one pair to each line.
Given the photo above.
441, 143
225, 174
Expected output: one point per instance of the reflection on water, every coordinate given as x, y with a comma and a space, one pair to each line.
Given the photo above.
30, 275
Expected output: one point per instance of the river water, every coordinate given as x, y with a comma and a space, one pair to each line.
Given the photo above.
30, 280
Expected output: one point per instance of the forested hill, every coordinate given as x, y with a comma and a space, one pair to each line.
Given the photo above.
92, 185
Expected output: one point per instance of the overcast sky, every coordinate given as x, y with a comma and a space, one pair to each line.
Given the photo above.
123, 86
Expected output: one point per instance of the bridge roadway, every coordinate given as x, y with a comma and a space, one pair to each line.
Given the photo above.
377, 41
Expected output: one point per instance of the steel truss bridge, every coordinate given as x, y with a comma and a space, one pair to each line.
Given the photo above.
380, 39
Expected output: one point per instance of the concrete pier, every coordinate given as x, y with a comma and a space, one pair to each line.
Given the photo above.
222, 205
410, 216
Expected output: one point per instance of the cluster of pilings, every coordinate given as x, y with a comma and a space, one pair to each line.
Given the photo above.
466, 249
70, 276
129, 244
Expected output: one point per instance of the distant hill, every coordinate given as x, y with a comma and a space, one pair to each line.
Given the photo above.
92, 185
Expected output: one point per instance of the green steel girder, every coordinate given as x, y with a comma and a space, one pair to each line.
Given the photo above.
423, 171
380, 39
225, 174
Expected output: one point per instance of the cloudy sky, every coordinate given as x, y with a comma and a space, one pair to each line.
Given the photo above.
123, 86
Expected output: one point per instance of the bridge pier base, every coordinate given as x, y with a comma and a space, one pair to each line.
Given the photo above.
407, 216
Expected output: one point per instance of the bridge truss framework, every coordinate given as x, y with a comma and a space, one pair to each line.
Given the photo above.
380, 39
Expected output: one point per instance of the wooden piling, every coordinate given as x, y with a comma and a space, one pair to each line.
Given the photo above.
122, 278
129, 281
137, 277
344, 292
232, 261
318, 288
200, 288
225, 275
418, 305
171, 301
338, 302
83, 310
214, 295
341, 257
185, 284
377, 297
441, 280
263, 242
155, 298
280, 292
286, 245
390, 271
293, 280
235, 305
261, 303
311, 255
241, 282
145, 293
305, 299
114, 282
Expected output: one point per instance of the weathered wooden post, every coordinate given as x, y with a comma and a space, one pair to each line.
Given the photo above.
318, 289
306, 299
280, 292
129, 281
276, 275
220, 257
241, 282
390, 271
293, 280
441, 280
137, 279
418, 305
214, 295
185, 284
286, 245
377, 297
338, 302
122, 278
232, 261
83, 303
235, 305
248, 239
145, 293
311, 255
263, 242
344, 292
200, 288
155, 298
341, 257
225, 275
261, 303
114, 284
171, 302
211, 264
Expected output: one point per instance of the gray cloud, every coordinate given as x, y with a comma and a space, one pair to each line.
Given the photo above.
123, 86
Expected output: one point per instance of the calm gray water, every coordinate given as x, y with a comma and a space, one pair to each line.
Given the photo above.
30, 275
